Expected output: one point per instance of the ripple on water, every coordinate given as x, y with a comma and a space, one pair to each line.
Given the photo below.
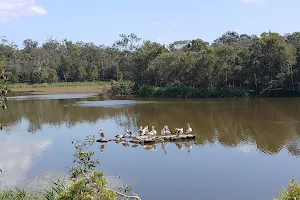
43, 181
293, 146
109, 103
19, 157
44, 145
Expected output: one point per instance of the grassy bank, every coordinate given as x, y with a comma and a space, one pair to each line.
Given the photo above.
128, 88
59, 84
62, 87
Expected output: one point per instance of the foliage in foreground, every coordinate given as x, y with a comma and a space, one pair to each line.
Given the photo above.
292, 192
18, 194
87, 182
3, 88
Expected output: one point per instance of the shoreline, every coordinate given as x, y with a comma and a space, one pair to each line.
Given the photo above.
144, 92
98, 89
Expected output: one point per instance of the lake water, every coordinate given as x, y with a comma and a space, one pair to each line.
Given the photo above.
244, 148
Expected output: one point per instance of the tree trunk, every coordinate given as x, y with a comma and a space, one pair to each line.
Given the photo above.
292, 78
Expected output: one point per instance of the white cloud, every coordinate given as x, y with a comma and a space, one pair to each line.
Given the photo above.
252, 1
12, 9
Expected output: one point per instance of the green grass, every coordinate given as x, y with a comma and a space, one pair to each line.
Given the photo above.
56, 188
19, 194
59, 84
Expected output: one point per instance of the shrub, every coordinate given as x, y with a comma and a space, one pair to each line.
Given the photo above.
292, 192
190, 92
121, 88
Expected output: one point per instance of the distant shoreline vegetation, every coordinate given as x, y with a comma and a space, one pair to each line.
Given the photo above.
234, 65
128, 89
190, 92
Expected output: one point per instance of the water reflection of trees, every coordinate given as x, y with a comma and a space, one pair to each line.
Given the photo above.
270, 124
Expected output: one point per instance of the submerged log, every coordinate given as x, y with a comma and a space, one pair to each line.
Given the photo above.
150, 139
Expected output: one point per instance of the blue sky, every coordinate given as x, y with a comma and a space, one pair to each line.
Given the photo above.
163, 21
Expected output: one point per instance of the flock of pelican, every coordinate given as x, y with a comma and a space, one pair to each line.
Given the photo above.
164, 131
145, 132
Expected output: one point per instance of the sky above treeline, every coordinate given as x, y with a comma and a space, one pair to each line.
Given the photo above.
162, 21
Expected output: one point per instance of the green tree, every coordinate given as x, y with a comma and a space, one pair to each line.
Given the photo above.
81, 74
52, 76
142, 71
272, 59
265, 63
3, 88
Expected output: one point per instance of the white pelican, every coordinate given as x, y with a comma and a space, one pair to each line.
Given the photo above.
145, 130
189, 130
153, 132
140, 130
101, 133
166, 131
179, 131
163, 131
128, 134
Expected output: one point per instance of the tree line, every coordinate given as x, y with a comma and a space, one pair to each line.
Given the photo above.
232, 63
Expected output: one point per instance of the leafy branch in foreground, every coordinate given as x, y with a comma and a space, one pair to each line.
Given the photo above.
83, 157
3, 88
87, 182
291, 193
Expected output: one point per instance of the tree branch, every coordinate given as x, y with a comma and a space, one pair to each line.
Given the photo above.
134, 196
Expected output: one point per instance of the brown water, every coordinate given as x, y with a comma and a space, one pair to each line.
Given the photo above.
244, 149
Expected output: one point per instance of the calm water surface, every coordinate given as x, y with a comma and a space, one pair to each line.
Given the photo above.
244, 149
